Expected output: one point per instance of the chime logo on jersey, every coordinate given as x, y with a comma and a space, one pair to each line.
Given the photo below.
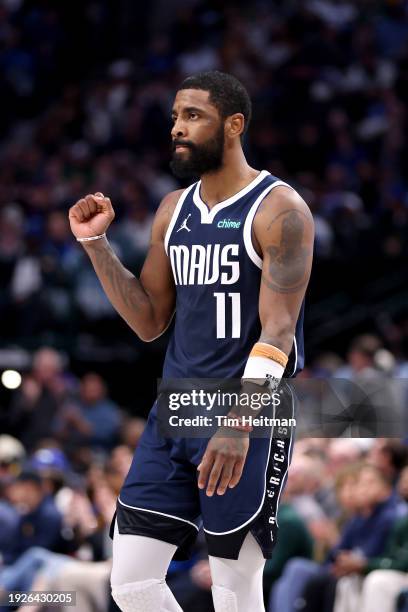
228, 224
205, 265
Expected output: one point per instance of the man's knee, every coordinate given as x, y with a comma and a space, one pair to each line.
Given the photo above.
141, 596
224, 599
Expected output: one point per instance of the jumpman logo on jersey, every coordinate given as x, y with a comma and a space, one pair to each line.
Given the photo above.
184, 224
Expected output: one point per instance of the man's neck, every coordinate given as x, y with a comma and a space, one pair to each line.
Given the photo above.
234, 175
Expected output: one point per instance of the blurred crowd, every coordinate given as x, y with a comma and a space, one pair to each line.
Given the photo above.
351, 495
343, 528
86, 101
66, 447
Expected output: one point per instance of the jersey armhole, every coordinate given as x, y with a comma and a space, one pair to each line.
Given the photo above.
175, 216
249, 246
295, 360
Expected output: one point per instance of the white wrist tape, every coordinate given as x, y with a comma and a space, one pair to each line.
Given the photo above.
90, 238
265, 362
262, 367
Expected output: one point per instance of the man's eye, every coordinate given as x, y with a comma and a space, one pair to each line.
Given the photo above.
193, 115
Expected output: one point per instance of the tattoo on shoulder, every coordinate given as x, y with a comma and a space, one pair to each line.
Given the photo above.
288, 260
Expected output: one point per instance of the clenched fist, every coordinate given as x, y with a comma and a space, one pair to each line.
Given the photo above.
91, 216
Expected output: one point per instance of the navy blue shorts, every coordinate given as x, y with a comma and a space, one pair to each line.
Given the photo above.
160, 497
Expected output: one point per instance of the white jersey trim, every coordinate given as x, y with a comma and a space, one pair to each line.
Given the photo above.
207, 215
155, 512
249, 247
175, 215
296, 355
264, 493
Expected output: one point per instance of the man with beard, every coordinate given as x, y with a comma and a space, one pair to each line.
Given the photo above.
233, 251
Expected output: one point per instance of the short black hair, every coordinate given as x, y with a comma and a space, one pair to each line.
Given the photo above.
397, 453
227, 93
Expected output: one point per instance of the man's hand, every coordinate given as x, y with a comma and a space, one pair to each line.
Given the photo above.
91, 216
146, 304
223, 460
347, 563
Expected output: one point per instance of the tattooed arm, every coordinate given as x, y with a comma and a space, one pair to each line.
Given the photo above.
147, 304
283, 234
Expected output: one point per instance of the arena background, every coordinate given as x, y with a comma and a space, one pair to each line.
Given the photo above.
86, 94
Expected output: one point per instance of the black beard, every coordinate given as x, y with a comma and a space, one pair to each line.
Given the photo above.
202, 159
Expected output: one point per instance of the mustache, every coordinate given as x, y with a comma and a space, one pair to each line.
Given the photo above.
182, 143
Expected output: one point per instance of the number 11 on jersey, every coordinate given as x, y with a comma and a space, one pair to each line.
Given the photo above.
235, 305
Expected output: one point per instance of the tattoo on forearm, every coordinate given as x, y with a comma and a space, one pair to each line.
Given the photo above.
122, 284
287, 261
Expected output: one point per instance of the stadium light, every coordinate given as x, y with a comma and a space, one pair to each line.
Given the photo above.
11, 379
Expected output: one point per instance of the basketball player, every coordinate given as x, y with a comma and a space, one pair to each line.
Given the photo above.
233, 252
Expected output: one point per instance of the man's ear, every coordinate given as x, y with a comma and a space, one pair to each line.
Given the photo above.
234, 125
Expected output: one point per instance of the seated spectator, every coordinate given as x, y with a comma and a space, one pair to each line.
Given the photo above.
305, 479
135, 230
294, 540
39, 524
52, 464
387, 576
87, 516
389, 570
327, 532
390, 456
308, 585
340, 453
8, 528
131, 432
69, 493
93, 420
23, 575
36, 405
40, 521
89, 581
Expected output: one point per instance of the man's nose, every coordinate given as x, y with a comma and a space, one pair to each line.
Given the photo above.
179, 129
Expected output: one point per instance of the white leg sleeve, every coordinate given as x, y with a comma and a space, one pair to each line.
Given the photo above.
140, 596
237, 584
224, 599
138, 574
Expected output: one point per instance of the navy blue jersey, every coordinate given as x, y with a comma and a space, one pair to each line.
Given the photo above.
217, 274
